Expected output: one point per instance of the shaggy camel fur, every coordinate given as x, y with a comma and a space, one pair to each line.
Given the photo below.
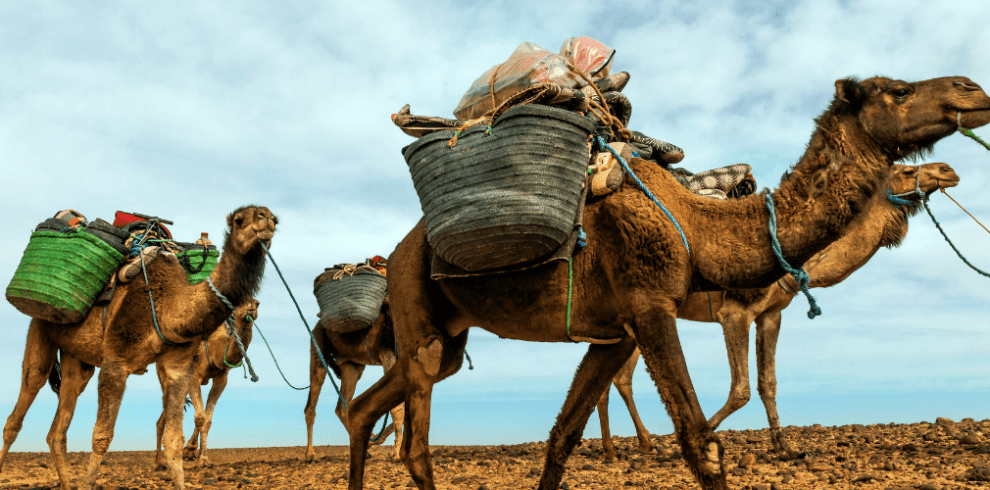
126, 343
635, 272
352, 351
883, 224
214, 358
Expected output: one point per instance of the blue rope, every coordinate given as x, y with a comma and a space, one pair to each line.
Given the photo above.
971, 266
799, 274
273, 357
306, 324
603, 145
154, 317
231, 331
466, 356
896, 200
382, 431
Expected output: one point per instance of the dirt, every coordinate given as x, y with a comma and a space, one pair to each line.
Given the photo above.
943, 455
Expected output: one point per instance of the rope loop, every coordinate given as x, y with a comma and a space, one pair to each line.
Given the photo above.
799, 274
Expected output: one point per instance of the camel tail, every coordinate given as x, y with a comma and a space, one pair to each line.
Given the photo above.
55, 376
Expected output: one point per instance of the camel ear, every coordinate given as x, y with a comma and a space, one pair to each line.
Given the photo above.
230, 221
850, 91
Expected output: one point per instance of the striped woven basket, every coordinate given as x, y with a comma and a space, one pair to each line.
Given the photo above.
352, 302
198, 261
500, 199
60, 275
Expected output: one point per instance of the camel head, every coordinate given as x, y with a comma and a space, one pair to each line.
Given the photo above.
929, 177
247, 226
906, 118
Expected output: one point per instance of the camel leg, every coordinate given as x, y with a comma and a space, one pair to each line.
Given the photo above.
623, 383
178, 371
317, 375
350, 374
607, 445
363, 412
39, 357
735, 328
219, 383
192, 448
656, 333
767, 329
398, 413
110, 391
75, 377
593, 377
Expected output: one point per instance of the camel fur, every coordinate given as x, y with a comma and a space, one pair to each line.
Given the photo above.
213, 360
635, 272
883, 224
126, 343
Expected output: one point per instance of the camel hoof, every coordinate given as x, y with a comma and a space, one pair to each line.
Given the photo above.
311, 458
189, 453
788, 455
160, 467
647, 449
609, 458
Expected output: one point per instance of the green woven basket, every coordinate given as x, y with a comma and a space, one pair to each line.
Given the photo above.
198, 263
60, 275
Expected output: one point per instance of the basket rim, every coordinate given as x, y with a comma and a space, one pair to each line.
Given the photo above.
80, 235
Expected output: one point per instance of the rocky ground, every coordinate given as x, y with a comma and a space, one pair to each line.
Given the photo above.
927, 456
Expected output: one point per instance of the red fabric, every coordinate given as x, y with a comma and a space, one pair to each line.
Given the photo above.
121, 219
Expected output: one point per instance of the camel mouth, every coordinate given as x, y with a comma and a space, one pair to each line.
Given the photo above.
945, 183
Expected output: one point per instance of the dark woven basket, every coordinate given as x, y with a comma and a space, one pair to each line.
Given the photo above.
60, 275
351, 302
504, 198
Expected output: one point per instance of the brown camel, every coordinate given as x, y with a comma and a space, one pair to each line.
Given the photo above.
351, 352
126, 342
635, 272
883, 224
216, 355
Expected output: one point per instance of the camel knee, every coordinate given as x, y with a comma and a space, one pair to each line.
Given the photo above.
12, 429
101, 444
310, 415
55, 440
430, 356
739, 397
200, 420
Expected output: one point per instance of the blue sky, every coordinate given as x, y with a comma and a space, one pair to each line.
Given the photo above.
189, 110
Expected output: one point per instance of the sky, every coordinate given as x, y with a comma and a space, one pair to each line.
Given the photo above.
187, 110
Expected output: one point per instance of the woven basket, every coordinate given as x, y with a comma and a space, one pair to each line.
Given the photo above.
60, 275
504, 198
351, 302
198, 262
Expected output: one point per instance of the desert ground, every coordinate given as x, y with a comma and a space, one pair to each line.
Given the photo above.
940, 455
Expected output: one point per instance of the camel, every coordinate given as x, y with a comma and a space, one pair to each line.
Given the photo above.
214, 358
126, 342
635, 271
352, 351
884, 224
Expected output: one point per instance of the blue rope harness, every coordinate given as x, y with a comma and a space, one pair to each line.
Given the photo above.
799, 274
306, 324
625, 166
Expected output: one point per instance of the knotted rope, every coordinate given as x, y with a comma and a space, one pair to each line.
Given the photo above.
306, 324
231, 330
799, 274
137, 247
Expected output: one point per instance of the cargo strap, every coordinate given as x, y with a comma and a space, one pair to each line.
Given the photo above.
306, 324
232, 330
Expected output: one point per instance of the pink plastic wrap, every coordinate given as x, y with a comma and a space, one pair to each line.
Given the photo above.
530, 65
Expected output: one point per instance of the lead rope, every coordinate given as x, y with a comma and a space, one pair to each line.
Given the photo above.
230, 320
799, 274
968, 132
306, 324
273, 357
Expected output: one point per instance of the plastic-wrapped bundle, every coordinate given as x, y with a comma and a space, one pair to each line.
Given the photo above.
531, 65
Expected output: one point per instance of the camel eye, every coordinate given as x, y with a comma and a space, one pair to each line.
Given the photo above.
239, 221
899, 93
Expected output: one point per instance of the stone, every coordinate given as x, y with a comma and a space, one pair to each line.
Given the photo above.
969, 439
944, 422
747, 460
